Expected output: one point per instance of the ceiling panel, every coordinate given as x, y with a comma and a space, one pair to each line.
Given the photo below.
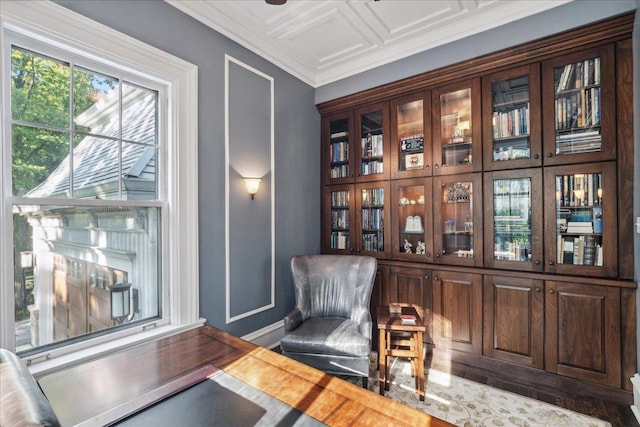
324, 41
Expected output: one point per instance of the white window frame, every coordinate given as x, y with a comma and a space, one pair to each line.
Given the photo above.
55, 26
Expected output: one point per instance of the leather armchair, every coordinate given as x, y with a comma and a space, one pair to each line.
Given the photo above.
22, 403
330, 327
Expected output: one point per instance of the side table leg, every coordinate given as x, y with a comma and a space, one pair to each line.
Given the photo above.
420, 365
382, 359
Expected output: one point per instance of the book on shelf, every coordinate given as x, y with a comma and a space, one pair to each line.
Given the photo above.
340, 134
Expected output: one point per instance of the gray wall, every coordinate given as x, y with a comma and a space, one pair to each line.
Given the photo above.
556, 20
297, 149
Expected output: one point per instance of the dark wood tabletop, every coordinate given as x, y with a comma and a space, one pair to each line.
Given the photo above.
93, 388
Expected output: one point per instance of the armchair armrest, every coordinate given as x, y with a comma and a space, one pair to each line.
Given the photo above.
293, 320
363, 318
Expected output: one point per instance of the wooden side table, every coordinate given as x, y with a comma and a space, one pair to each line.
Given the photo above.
409, 339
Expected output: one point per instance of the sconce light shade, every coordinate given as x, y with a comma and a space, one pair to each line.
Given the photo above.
252, 185
120, 301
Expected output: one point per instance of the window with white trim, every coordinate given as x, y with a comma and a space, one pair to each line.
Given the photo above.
90, 185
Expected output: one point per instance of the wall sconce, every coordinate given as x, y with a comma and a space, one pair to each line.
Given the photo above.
252, 185
120, 304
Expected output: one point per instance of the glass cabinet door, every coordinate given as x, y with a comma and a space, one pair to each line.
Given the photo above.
583, 240
413, 226
584, 126
457, 223
371, 218
338, 219
456, 129
512, 119
337, 139
411, 151
373, 152
513, 232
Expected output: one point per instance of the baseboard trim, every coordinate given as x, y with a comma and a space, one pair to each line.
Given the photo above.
268, 337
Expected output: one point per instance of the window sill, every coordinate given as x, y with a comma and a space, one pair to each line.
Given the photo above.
41, 365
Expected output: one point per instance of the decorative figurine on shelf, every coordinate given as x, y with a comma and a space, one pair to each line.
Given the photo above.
407, 246
420, 248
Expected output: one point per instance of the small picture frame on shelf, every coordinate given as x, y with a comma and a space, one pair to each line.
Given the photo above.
414, 160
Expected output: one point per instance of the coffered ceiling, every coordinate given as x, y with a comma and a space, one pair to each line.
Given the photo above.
321, 41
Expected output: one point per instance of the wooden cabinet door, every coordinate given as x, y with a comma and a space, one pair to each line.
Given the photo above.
411, 150
513, 222
412, 222
412, 286
511, 124
577, 195
372, 235
371, 143
338, 219
338, 161
513, 319
457, 311
582, 332
579, 107
457, 219
457, 128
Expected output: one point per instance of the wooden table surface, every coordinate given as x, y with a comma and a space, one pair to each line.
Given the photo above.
93, 388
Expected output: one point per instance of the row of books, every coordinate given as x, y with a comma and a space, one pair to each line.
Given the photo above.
579, 74
340, 220
582, 250
340, 171
373, 242
373, 219
339, 199
579, 190
339, 151
511, 123
372, 145
340, 240
578, 109
371, 167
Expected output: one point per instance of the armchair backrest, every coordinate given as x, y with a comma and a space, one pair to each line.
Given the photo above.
333, 285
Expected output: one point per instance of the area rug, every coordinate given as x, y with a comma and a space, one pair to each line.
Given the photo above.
469, 404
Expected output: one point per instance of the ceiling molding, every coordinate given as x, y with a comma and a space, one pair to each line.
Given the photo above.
321, 42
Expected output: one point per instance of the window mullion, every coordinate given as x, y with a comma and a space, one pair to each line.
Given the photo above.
71, 129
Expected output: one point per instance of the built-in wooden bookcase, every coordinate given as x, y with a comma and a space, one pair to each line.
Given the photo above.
496, 194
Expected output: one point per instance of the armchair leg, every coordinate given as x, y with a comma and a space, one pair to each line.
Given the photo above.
365, 382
